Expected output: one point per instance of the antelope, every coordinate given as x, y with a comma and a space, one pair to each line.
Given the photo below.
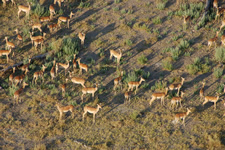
133, 84
201, 92
116, 55
91, 90
6, 53
223, 24
33, 38
211, 99
187, 19
9, 44
127, 96
52, 26
65, 19
19, 37
39, 74
176, 100
24, 9
37, 26
219, 12
51, 9
213, 40
18, 92
159, 95
118, 81
74, 62
177, 86
223, 39
81, 36
65, 66
82, 66
224, 89
215, 4
54, 70
77, 80
63, 87
59, 2
92, 111
26, 67
38, 42
12, 75
46, 18
4, 3
63, 109
183, 115
19, 79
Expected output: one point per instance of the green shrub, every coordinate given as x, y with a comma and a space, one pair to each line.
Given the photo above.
131, 76
160, 85
218, 72
161, 5
220, 54
128, 42
198, 67
134, 115
175, 52
157, 20
166, 64
183, 44
142, 59
116, 1
39, 10
123, 11
71, 46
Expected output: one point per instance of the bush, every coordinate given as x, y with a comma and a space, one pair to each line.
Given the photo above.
220, 54
71, 46
39, 10
175, 52
128, 42
218, 72
160, 85
198, 66
157, 20
131, 76
142, 59
166, 64
161, 5
183, 44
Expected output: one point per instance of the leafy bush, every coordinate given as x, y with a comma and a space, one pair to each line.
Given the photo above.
131, 76
128, 42
142, 59
39, 10
71, 46
220, 54
160, 85
161, 5
175, 52
183, 44
198, 67
166, 64
157, 20
218, 72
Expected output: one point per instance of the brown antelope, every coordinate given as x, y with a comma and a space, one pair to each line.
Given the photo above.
92, 111
116, 55
37, 26
24, 9
33, 38
26, 67
9, 44
133, 84
63, 87
118, 81
52, 9
38, 42
127, 96
6, 53
51, 27
176, 100
159, 95
18, 92
77, 80
177, 86
74, 62
19, 37
65, 66
82, 66
54, 69
215, 4
219, 12
183, 115
187, 19
46, 18
81, 36
223, 40
19, 79
223, 24
39, 74
12, 75
65, 19
211, 99
63, 109
201, 92
213, 40
91, 90
59, 2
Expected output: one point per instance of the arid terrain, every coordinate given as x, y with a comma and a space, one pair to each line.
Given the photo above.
156, 45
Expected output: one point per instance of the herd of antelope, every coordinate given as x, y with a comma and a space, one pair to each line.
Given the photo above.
76, 62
